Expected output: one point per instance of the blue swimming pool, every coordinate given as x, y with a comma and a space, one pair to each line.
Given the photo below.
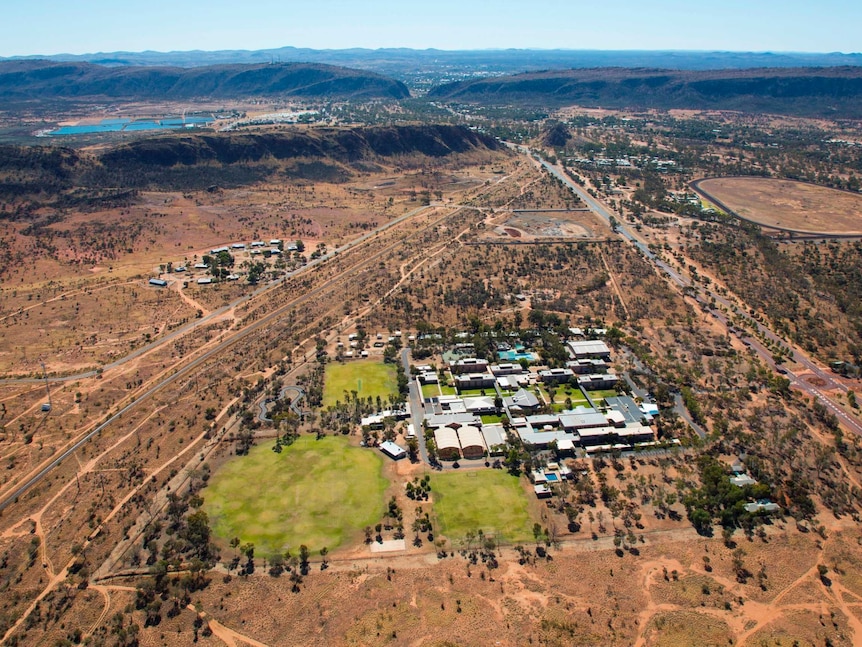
515, 355
550, 478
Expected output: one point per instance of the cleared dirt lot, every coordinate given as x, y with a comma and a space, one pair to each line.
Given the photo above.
788, 205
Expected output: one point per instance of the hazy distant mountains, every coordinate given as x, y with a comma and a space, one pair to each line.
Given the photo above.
832, 92
414, 65
47, 80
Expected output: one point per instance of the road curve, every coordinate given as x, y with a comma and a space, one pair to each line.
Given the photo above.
263, 416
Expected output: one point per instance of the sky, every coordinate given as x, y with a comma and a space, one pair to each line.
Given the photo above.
30, 27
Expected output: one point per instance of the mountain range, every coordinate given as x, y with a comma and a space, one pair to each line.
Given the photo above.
827, 92
41, 80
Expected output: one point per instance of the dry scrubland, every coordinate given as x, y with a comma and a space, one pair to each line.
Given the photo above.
586, 595
80, 279
663, 592
124, 474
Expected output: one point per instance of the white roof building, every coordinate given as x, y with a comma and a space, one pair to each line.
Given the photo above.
589, 349
393, 450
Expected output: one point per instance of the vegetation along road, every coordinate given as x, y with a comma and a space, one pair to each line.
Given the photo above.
681, 282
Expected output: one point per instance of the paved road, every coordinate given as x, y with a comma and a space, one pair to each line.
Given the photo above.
416, 405
263, 416
766, 356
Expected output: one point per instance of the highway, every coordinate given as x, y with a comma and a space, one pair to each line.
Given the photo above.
766, 355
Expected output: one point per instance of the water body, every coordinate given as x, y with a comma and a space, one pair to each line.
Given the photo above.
127, 125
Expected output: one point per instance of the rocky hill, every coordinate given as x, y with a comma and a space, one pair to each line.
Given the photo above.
833, 92
54, 175
343, 145
47, 80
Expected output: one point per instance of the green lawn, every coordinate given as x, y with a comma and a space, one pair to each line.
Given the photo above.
430, 390
560, 395
315, 492
491, 420
601, 394
448, 390
478, 392
367, 378
488, 499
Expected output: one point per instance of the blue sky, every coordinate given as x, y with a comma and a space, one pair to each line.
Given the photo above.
85, 26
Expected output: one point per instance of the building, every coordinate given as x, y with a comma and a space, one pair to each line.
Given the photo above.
741, 480
482, 405
590, 349
472, 442
159, 283
598, 381
495, 439
522, 402
506, 369
429, 377
582, 418
475, 381
542, 491
448, 445
394, 451
437, 420
556, 375
469, 365
513, 382
587, 366
764, 505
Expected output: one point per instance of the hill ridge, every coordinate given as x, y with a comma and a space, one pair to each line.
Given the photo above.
44, 80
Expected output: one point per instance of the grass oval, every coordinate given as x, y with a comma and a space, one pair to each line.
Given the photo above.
316, 492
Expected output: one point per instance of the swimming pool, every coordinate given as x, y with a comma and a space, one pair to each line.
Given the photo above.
515, 355
551, 478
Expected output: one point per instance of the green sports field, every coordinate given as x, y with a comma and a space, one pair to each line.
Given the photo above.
315, 492
488, 499
367, 378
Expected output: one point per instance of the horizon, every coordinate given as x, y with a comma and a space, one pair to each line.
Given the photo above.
441, 49
42, 28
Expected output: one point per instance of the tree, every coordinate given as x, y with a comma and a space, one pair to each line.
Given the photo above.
701, 520
303, 559
198, 532
513, 462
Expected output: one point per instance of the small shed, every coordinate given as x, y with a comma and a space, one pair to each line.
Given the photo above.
393, 450
159, 283
542, 491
